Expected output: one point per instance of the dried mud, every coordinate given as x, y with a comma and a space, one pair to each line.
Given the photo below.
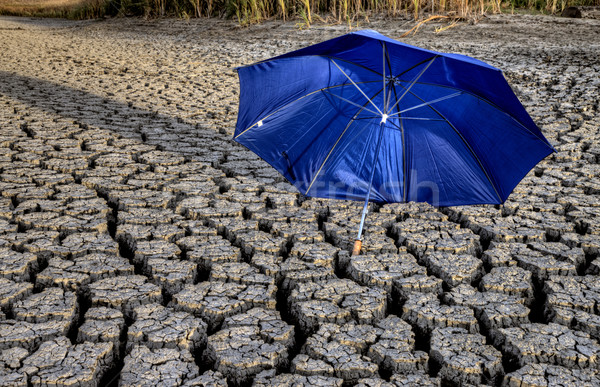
139, 245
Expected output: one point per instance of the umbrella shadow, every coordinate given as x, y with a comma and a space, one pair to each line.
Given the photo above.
91, 111
45, 22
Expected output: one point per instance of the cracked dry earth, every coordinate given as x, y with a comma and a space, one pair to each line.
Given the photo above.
140, 246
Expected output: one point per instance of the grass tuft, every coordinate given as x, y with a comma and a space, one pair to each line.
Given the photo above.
256, 11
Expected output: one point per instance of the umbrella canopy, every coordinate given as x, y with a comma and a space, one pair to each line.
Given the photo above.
450, 129
365, 117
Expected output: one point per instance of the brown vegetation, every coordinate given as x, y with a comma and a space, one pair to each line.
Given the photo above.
39, 7
305, 11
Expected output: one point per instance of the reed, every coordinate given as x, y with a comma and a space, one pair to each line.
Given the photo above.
256, 11
282, 9
416, 9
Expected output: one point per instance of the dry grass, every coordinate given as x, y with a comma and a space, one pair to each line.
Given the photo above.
245, 11
255, 11
38, 7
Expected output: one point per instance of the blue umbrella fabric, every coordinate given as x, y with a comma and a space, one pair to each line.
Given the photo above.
365, 117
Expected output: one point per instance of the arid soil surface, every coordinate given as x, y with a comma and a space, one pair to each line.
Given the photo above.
139, 245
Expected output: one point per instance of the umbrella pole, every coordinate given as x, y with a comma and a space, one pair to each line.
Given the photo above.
358, 241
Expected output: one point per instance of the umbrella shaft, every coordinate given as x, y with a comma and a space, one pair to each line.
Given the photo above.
366, 206
362, 218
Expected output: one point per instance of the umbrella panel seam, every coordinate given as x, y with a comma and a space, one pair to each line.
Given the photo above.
464, 142
358, 88
413, 82
350, 102
486, 101
428, 103
335, 145
296, 100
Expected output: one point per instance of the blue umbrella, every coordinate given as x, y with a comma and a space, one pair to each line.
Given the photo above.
365, 117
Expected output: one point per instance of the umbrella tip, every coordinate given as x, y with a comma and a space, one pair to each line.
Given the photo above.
384, 118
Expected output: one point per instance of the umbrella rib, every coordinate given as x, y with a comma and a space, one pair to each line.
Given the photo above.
367, 118
466, 144
335, 145
359, 89
389, 64
397, 126
350, 102
489, 103
405, 171
420, 119
296, 100
383, 78
418, 64
319, 55
404, 166
428, 103
349, 62
413, 82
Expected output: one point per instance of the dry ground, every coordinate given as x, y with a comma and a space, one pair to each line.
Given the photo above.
139, 245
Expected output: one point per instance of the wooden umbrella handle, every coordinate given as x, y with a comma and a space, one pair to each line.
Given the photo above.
357, 246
